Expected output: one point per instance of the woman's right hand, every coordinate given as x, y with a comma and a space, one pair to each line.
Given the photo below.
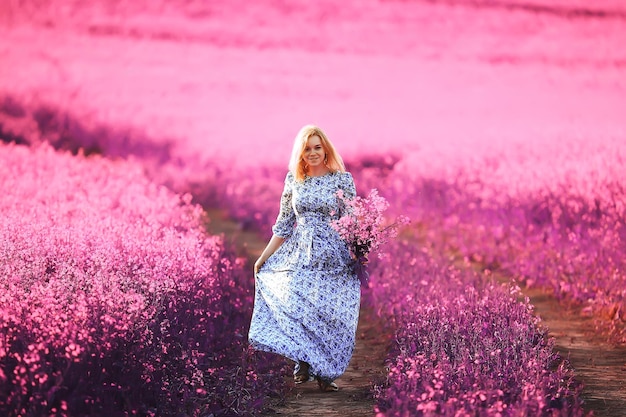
258, 264
271, 247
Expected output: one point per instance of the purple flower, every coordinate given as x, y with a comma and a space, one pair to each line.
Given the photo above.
364, 228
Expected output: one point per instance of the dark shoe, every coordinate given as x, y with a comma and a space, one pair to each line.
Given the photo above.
303, 373
326, 386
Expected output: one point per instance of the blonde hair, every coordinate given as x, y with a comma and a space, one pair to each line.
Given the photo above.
297, 165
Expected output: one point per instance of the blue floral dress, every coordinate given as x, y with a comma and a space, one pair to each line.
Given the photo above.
307, 296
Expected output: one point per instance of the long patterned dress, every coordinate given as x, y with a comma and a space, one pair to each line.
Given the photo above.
307, 296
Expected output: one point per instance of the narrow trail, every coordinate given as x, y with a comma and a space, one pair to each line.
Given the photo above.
367, 364
600, 366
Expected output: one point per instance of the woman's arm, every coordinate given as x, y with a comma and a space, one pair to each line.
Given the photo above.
348, 187
271, 247
283, 228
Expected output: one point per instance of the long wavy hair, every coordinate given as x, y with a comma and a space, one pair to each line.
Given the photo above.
297, 164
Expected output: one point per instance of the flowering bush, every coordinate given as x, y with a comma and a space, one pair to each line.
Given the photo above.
462, 208
463, 346
553, 218
558, 223
112, 297
362, 226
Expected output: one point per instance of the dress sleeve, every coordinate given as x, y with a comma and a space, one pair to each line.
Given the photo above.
347, 185
286, 217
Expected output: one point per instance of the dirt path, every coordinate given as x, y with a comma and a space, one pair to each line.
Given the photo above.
600, 366
354, 398
367, 364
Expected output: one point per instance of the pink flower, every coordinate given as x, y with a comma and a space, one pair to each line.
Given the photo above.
364, 228
363, 225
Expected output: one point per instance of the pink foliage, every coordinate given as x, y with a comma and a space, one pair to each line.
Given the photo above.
463, 346
503, 124
112, 294
555, 219
364, 226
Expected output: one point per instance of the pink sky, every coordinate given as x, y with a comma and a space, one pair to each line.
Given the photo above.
237, 79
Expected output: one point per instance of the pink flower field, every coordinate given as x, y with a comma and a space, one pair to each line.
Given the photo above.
112, 293
497, 127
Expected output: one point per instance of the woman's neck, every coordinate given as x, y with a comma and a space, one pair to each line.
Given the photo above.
318, 171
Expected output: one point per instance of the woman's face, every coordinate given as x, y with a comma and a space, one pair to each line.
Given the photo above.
314, 153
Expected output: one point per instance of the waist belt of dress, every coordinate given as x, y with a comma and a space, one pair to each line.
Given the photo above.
308, 224
311, 219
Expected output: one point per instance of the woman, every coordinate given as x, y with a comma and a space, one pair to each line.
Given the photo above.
307, 296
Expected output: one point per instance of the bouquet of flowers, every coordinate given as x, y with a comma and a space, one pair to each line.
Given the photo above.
363, 226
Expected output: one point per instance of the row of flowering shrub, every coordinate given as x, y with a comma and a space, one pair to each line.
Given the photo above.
459, 214
554, 218
114, 300
463, 345
566, 235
